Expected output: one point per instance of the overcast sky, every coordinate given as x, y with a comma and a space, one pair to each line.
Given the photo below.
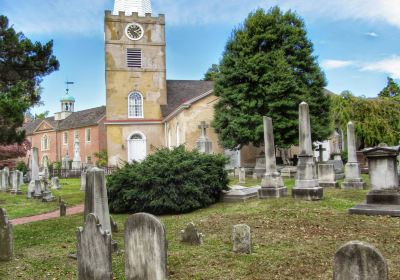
356, 41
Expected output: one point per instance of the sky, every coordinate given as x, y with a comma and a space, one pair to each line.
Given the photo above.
356, 42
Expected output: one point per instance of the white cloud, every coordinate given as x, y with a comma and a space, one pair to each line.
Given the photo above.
336, 64
390, 66
371, 34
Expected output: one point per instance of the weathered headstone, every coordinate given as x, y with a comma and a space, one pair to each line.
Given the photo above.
306, 184
242, 176
55, 183
326, 176
96, 200
320, 151
191, 236
145, 248
239, 193
2, 187
83, 181
114, 225
241, 238
63, 208
359, 261
353, 178
6, 179
204, 144
94, 251
384, 196
15, 179
337, 157
34, 172
38, 194
272, 182
6, 237
259, 169
21, 178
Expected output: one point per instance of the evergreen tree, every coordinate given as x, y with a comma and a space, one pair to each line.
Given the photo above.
391, 90
268, 69
211, 73
23, 64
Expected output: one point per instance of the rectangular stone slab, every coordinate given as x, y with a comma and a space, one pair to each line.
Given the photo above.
240, 194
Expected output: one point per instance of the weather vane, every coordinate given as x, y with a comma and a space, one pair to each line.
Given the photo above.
68, 83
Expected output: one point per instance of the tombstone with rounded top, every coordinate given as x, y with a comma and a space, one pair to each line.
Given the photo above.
94, 251
6, 237
191, 236
359, 260
145, 248
242, 176
241, 238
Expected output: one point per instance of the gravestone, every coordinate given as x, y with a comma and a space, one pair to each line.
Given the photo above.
191, 236
96, 200
359, 261
241, 238
16, 186
242, 176
145, 248
239, 194
337, 157
38, 194
204, 144
63, 209
114, 225
21, 178
76, 163
83, 181
289, 171
2, 187
65, 162
6, 237
94, 251
272, 183
384, 196
34, 172
326, 176
259, 169
320, 151
306, 183
47, 196
353, 178
55, 183
6, 179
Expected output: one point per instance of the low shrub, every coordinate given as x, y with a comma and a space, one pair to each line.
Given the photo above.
168, 182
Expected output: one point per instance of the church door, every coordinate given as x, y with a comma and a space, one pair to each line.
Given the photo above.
136, 148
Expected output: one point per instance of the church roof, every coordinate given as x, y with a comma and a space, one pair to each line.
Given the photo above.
182, 91
67, 97
78, 119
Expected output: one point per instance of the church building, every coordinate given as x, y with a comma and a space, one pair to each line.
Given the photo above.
145, 111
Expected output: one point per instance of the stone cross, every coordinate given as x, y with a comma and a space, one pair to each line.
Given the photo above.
358, 260
353, 178
306, 183
321, 151
191, 236
6, 237
203, 127
96, 200
241, 237
272, 183
94, 251
145, 248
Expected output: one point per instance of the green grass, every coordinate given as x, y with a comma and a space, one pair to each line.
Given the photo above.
292, 239
19, 206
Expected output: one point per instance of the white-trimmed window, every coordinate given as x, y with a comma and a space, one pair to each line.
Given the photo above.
65, 138
45, 142
76, 135
134, 58
88, 136
135, 105
88, 159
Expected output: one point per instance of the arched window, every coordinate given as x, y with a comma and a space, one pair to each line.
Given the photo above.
45, 161
178, 135
45, 142
135, 105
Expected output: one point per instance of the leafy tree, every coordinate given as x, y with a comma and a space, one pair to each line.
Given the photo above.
211, 73
376, 120
102, 157
391, 90
43, 115
9, 153
268, 69
23, 65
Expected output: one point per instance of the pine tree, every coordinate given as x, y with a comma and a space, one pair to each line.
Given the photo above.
268, 69
23, 64
391, 90
211, 73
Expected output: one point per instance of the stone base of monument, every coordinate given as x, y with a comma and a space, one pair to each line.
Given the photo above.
239, 194
316, 193
19, 192
325, 184
383, 203
354, 184
289, 171
265, 193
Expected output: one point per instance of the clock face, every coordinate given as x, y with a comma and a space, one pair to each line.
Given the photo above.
134, 31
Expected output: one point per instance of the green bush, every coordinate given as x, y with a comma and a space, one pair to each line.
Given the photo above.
168, 182
21, 166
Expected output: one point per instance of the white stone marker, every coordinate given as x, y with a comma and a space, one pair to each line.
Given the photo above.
1, 182
55, 183
272, 183
145, 248
326, 175
6, 179
241, 238
34, 172
94, 251
353, 178
83, 181
96, 200
359, 261
242, 176
6, 237
306, 184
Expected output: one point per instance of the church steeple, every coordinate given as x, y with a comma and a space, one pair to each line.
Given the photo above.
132, 6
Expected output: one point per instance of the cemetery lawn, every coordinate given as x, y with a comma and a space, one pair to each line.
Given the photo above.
291, 240
19, 206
